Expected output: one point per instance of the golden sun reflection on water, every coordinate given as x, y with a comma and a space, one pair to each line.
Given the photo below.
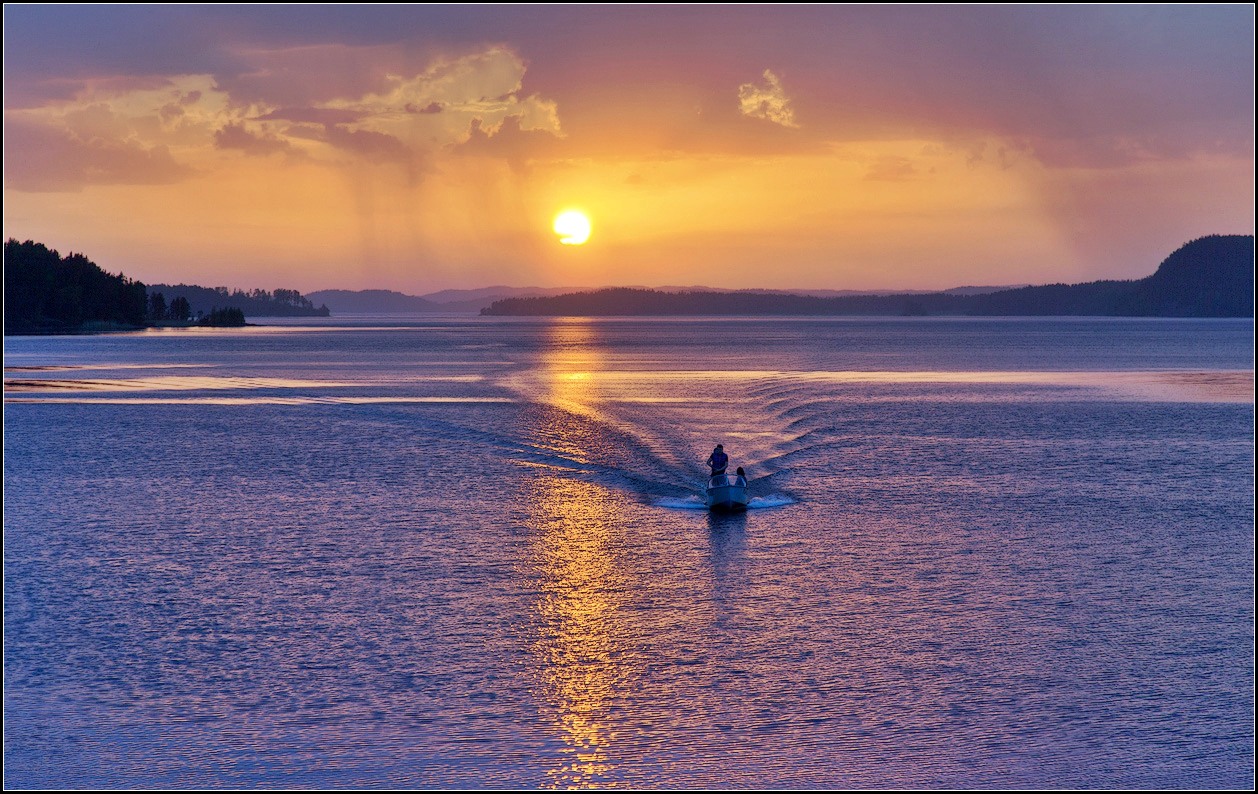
583, 657
568, 378
572, 367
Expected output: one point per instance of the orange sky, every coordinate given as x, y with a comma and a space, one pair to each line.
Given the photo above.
422, 148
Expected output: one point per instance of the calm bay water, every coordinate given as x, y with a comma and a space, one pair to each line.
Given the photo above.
470, 553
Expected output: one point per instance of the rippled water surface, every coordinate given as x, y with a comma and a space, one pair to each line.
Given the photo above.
471, 553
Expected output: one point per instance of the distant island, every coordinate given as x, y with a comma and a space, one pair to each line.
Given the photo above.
254, 303
1209, 277
373, 301
474, 301
45, 293
448, 301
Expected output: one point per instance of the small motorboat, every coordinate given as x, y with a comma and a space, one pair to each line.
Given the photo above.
727, 493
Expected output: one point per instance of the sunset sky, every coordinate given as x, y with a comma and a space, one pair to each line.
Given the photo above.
427, 147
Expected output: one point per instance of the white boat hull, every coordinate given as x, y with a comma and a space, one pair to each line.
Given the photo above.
727, 493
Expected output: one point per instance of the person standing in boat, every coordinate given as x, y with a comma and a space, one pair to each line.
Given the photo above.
718, 460
741, 477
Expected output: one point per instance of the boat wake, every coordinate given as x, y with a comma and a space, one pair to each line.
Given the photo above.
637, 433
772, 500
698, 503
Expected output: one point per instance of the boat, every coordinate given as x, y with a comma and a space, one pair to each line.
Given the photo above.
727, 493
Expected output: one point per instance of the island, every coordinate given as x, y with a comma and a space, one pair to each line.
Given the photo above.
1211, 276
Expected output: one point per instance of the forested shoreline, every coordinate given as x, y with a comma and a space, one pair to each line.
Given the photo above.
45, 293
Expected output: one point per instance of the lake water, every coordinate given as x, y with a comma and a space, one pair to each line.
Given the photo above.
471, 553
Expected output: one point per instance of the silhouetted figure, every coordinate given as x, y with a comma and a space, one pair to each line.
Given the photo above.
718, 460
742, 477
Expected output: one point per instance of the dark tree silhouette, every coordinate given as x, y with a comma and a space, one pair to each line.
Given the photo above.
157, 307
180, 310
44, 293
230, 316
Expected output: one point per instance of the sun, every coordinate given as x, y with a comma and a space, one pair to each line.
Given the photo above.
572, 226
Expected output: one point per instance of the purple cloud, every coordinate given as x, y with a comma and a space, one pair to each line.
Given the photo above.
312, 115
40, 159
235, 136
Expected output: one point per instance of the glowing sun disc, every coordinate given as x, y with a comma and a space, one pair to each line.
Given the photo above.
572, 227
